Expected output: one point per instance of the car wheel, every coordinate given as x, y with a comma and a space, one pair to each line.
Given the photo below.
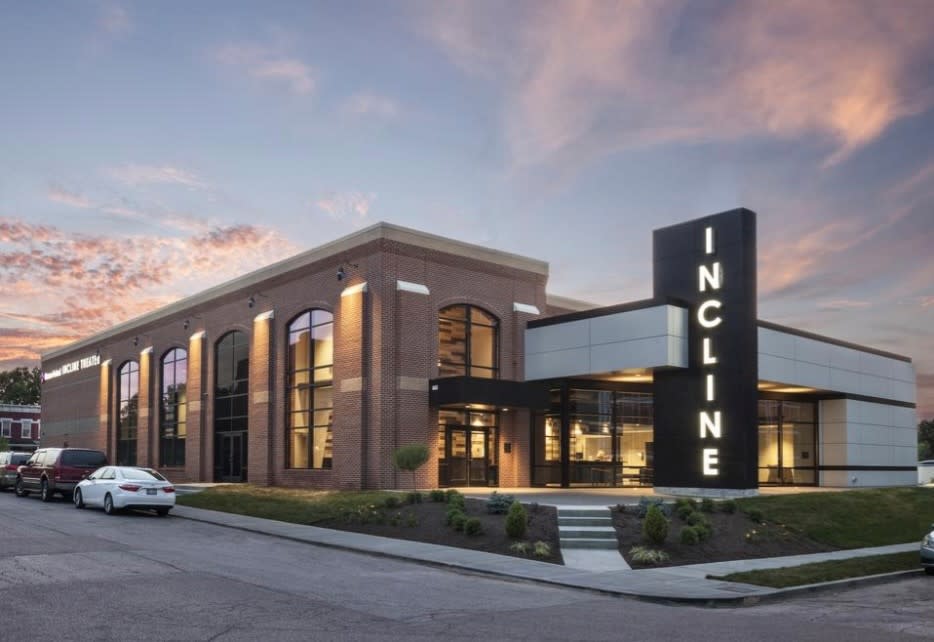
162, 512
19, 490
44, 493
78, 499
109, 504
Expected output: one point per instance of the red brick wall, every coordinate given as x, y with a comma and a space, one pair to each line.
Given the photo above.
385, 353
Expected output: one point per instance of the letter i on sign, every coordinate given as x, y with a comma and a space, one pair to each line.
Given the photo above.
708, 240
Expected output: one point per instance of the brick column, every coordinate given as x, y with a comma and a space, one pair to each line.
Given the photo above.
103, 407
195, 424
350, 421
259, 452
144, 414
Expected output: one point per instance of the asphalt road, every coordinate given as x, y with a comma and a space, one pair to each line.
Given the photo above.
67, 574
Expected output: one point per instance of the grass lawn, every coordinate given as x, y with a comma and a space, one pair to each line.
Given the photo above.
826, 571
298, 506
851, 519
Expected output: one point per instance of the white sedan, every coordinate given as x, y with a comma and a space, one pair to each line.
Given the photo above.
118, 487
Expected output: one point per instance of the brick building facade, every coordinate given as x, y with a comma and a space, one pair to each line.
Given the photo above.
19, 425
311, 372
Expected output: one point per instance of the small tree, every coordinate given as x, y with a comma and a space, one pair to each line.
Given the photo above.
410, 458
516, 521
655, 526
4, 444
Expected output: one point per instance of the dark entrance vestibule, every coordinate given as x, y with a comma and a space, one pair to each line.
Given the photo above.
466, 448
231, 390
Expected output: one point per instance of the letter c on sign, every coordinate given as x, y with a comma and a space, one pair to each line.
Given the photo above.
702, 314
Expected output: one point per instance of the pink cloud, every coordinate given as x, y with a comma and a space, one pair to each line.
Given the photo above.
63, 286
353, 207
135, 175
584, 79
61, 195
268, 63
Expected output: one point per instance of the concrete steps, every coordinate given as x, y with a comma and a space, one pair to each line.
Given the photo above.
586, 528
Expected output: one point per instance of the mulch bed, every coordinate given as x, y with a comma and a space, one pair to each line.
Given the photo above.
430, 527
734, 537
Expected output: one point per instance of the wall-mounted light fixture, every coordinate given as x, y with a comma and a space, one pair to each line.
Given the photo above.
251, 301
135, 341
186, 324
342, 273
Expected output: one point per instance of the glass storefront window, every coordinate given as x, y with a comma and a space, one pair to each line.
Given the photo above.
787, 442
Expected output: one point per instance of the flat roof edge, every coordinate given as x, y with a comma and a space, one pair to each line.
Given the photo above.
605, 311
331, 249
837, 342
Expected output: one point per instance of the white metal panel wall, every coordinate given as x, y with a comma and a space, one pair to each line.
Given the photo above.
801, 361
861, 433
645, 338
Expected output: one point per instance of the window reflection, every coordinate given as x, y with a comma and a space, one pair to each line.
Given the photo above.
173, 428
310, 394
128, 416
467, 342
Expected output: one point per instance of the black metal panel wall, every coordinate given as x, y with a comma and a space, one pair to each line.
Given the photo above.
682, 396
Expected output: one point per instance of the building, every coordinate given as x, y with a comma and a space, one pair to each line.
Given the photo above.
311, 371
19, 425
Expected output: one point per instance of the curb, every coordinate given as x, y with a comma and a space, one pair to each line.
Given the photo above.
711, 602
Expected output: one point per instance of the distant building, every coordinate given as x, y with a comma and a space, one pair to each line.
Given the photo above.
310, 372
19, 425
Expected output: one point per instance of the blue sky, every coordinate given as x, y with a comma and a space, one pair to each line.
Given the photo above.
148, 150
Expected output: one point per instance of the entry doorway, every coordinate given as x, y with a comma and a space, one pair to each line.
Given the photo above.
230, 457
467, 458
467, 448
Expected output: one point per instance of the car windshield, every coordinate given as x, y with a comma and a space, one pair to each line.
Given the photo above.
143, 474
19, 458
84, 458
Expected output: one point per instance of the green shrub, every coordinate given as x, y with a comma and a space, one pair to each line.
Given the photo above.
655, 526
707, 505
520, 548
755, 515
702, 525
394, 520
516, 521
621, 508
451, 514
411, 520
499, 504
392, 501
646, 502
728, 506
689, 535
541, 549
645, 555
438, 495
459, 521
685, 501
414, 497
456, 500
473, 526
684, 511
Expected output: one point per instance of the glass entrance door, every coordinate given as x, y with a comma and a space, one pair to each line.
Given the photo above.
230, 457
466, 457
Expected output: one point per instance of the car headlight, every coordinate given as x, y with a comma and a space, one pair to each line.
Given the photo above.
929, 539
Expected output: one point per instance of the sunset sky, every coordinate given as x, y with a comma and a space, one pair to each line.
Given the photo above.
151, 149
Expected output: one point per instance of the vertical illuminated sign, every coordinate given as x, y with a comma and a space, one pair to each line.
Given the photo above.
710, 280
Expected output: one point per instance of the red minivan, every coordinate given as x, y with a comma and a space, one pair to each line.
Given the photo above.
57, 470
10, 461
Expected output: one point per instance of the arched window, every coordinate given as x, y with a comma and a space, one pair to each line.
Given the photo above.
310, 390
231, 411
128, 417
468, 342
174, 416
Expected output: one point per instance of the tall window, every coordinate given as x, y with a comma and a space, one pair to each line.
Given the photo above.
231, 410
127, 418
173, 425
468, 340
311, 390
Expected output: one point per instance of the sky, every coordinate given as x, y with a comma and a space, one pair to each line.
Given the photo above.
149, 150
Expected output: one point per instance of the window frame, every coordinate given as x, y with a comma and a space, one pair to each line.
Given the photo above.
174, 443
6, 427
127, 458
305, 321
467, 367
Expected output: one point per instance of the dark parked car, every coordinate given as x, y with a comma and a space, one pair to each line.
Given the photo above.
56, 470
9, 462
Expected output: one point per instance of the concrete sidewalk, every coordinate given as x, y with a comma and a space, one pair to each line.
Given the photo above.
686, 584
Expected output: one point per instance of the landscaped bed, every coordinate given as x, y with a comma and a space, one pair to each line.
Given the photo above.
388, 514
747, 528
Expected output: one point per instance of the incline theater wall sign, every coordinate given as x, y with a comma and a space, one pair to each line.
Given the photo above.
706, 423
73, 366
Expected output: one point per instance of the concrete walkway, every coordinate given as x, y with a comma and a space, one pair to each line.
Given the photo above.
673, 584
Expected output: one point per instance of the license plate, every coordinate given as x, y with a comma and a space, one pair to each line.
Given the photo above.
151, 491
